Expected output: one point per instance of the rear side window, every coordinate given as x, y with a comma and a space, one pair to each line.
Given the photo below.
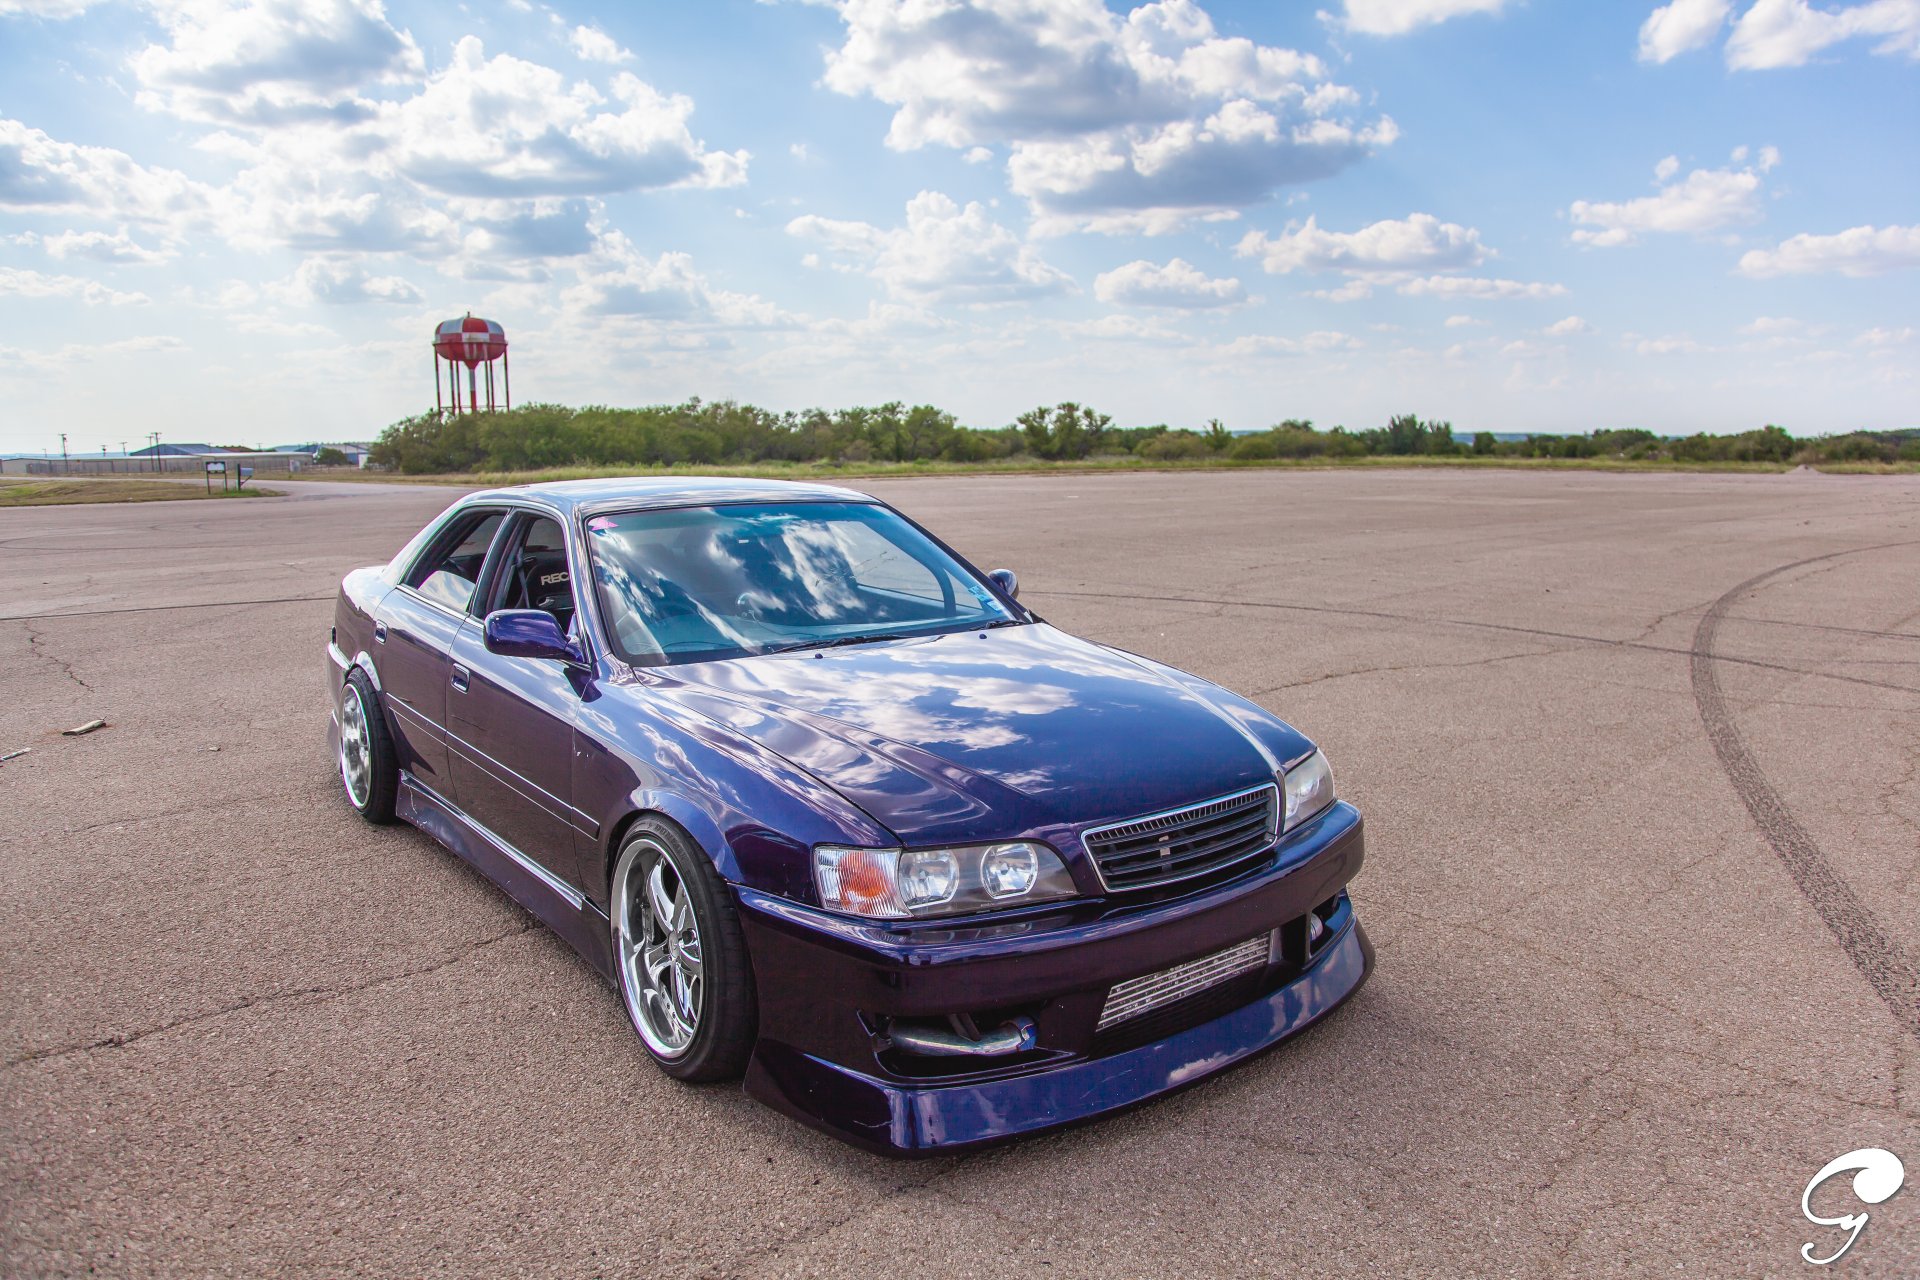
447, 571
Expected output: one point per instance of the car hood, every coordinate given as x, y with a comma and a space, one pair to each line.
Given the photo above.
983, 735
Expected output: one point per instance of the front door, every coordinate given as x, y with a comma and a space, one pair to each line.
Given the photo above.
415, 626
510, 732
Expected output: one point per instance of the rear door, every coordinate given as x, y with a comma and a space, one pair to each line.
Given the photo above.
510, 730
415, 626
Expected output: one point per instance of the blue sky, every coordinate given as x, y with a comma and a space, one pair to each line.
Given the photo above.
241, 223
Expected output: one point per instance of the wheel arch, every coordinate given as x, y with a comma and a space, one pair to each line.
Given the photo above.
694, 822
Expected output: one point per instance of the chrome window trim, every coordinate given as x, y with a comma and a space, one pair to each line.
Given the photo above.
1093, 859
435, 605
504, 507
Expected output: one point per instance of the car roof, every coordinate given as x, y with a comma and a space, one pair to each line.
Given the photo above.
631, 493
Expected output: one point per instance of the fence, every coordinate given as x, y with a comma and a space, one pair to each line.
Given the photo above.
193, 464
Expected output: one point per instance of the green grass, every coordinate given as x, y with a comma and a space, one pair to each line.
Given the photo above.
1031, 466
19, 492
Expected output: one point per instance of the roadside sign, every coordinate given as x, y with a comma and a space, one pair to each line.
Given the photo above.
217, 468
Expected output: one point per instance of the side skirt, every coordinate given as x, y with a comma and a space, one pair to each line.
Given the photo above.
557, 904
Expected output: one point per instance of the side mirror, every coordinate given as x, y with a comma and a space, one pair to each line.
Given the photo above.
529, 633
1008, 581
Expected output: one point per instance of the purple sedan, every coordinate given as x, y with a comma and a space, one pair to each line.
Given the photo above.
834, 812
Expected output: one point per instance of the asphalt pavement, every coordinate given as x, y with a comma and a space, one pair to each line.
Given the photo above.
1639, 755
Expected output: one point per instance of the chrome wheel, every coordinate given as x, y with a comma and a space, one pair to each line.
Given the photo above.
658, 937
356, 748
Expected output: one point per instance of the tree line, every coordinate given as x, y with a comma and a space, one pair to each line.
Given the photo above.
724, 432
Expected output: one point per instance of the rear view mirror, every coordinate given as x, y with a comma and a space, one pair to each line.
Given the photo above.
529, 633
1008, 581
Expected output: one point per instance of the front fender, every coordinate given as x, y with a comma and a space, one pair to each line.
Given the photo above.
755, 813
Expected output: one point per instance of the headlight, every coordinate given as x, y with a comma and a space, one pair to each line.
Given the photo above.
1309, 788
899, 884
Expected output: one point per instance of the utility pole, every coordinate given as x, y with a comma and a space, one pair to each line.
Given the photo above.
155, 437
66, 468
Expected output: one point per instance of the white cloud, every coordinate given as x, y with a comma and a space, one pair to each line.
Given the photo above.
1479, 288
1352, 291
1179, 285
1462, 322
1527, 349
1119, 327
1567, 328
1419, 242
117, 249
1704, 200
1400, 252
15, 360
1138, 124
1768, 326
1787, 33
270, 61
591, 44
943, 253
33, 284
1858, 251
1397, 17
1669, 346
1883, 337
1673, 29
666, 287
502, 126
340, 283
1320, 342
39, 174
53, 10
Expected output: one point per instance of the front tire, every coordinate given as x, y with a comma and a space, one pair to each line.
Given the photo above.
369, 768
680, 956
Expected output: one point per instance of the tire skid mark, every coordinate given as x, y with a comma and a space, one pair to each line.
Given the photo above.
1890, 971
1507, 628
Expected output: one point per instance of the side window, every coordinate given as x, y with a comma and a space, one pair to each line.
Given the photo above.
447, 572
536, 575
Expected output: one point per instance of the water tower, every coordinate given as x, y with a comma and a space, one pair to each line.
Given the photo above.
472, 342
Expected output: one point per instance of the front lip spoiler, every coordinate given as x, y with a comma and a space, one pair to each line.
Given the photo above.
907, 1121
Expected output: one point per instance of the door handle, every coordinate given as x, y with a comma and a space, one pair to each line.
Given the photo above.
460, 677
379, 633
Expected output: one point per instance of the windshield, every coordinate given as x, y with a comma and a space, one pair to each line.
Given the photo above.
695, 583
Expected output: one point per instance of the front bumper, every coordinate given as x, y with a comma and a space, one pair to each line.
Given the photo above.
829, 987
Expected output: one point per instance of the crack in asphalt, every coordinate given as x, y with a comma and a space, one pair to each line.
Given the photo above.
161, 608
1488, 626
1889, 970
37, 645
324, 994
1614, 985
1410, 666
860, 1208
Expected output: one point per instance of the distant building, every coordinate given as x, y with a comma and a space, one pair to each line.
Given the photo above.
356, 450
171, 450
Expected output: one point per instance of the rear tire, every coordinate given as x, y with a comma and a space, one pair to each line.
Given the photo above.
369, 767
680, 957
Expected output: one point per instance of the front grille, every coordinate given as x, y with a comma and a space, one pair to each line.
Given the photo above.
1185, 842
1136, 996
